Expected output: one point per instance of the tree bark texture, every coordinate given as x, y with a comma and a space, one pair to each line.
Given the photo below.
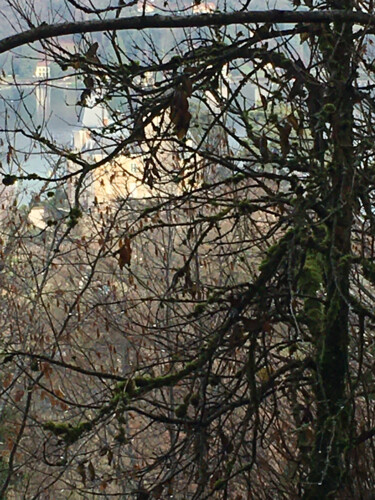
327, 472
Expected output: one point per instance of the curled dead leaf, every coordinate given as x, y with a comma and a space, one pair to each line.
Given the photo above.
125, 253
179, 111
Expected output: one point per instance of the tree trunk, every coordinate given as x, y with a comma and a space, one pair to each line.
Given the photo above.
327, 468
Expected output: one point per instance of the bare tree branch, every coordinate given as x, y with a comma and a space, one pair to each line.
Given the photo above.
46, 31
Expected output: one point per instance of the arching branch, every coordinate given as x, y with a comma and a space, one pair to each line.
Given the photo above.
46, 31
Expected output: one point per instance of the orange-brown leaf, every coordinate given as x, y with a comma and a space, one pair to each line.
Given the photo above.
19, 395
125, 253
91, 470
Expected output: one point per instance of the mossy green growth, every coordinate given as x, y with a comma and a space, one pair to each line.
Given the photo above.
271, 252
199, 308
322, 235
194, 400
245, 206
143, 381
369, 271
309, 284
333, 309
147, 211
181, 410
238, 178
131, 388
274, 254
104, 410
120, 386
69, 433
211, 299
311, 277
219, 484
74, 214
329, 108
345, 260
120, 437
124, 391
